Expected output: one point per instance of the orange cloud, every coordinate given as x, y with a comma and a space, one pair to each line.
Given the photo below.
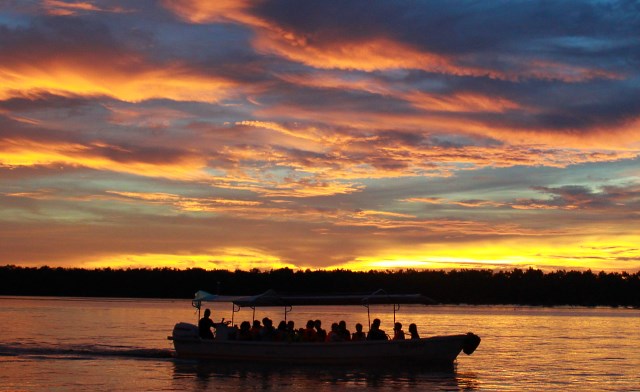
65, 8
374, 54
24, 152
127, 81
204, 11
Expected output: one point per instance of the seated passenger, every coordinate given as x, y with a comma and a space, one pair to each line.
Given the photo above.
281, 331
358, 334
334, 334
292, 333
309, 334
255, 330
204, 326
345, 334
413, 330
245, 331
375, 333
321, 334
267, 332
398, 333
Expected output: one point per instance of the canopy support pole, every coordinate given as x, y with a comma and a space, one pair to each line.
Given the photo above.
287, 309
396, 307
368, 314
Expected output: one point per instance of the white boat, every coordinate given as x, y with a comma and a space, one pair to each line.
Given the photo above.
435, 350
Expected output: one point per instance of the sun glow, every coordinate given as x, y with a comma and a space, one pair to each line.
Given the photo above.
226, 258
597, 254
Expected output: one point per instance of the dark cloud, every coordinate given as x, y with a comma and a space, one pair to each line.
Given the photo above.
583, 198
460, 27
23, 102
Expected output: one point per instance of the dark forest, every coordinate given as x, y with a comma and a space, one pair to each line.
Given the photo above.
518, 287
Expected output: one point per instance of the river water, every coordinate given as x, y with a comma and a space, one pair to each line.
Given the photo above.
89, 344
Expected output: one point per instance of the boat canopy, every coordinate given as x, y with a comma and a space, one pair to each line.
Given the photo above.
272, 298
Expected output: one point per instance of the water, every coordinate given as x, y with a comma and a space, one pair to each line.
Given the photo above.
80, 344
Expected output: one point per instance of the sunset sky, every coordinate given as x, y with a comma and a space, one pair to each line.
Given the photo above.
320, 134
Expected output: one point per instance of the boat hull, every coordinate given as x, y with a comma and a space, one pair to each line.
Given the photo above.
441, 350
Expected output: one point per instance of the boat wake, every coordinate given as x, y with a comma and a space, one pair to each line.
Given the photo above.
80, 352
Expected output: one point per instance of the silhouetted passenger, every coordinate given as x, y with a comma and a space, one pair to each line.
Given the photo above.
204, 326
267, 332
375, 333
245, 331
255, 330
292, 333
321, 334
398, 333
334, 334
281, 331
345, 334
413, 330
301, 333
358, 334
309, 333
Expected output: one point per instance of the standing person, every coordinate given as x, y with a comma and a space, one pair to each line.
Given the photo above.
398, 333
205, 324
413, 330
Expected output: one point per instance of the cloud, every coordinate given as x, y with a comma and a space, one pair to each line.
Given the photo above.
609, 198
66, 8
71, 59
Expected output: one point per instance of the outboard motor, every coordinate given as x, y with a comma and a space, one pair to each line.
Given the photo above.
185, 331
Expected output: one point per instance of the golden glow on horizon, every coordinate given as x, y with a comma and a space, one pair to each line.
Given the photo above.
505, 255
225, 258
597, 254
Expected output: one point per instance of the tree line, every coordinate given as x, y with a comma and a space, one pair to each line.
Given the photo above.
466, 286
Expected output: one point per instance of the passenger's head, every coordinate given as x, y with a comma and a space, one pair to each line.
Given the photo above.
359, 327
207, 312
282, 325
317, 323
310, 324
267, 322
256, 323
342, 324
397, 326
335, 327
245, 325
413, 328
290, 325
376, 322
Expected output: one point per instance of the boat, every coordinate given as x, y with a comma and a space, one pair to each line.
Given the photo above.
427, 351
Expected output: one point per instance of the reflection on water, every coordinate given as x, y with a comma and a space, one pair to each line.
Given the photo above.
94, 344
241, 376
